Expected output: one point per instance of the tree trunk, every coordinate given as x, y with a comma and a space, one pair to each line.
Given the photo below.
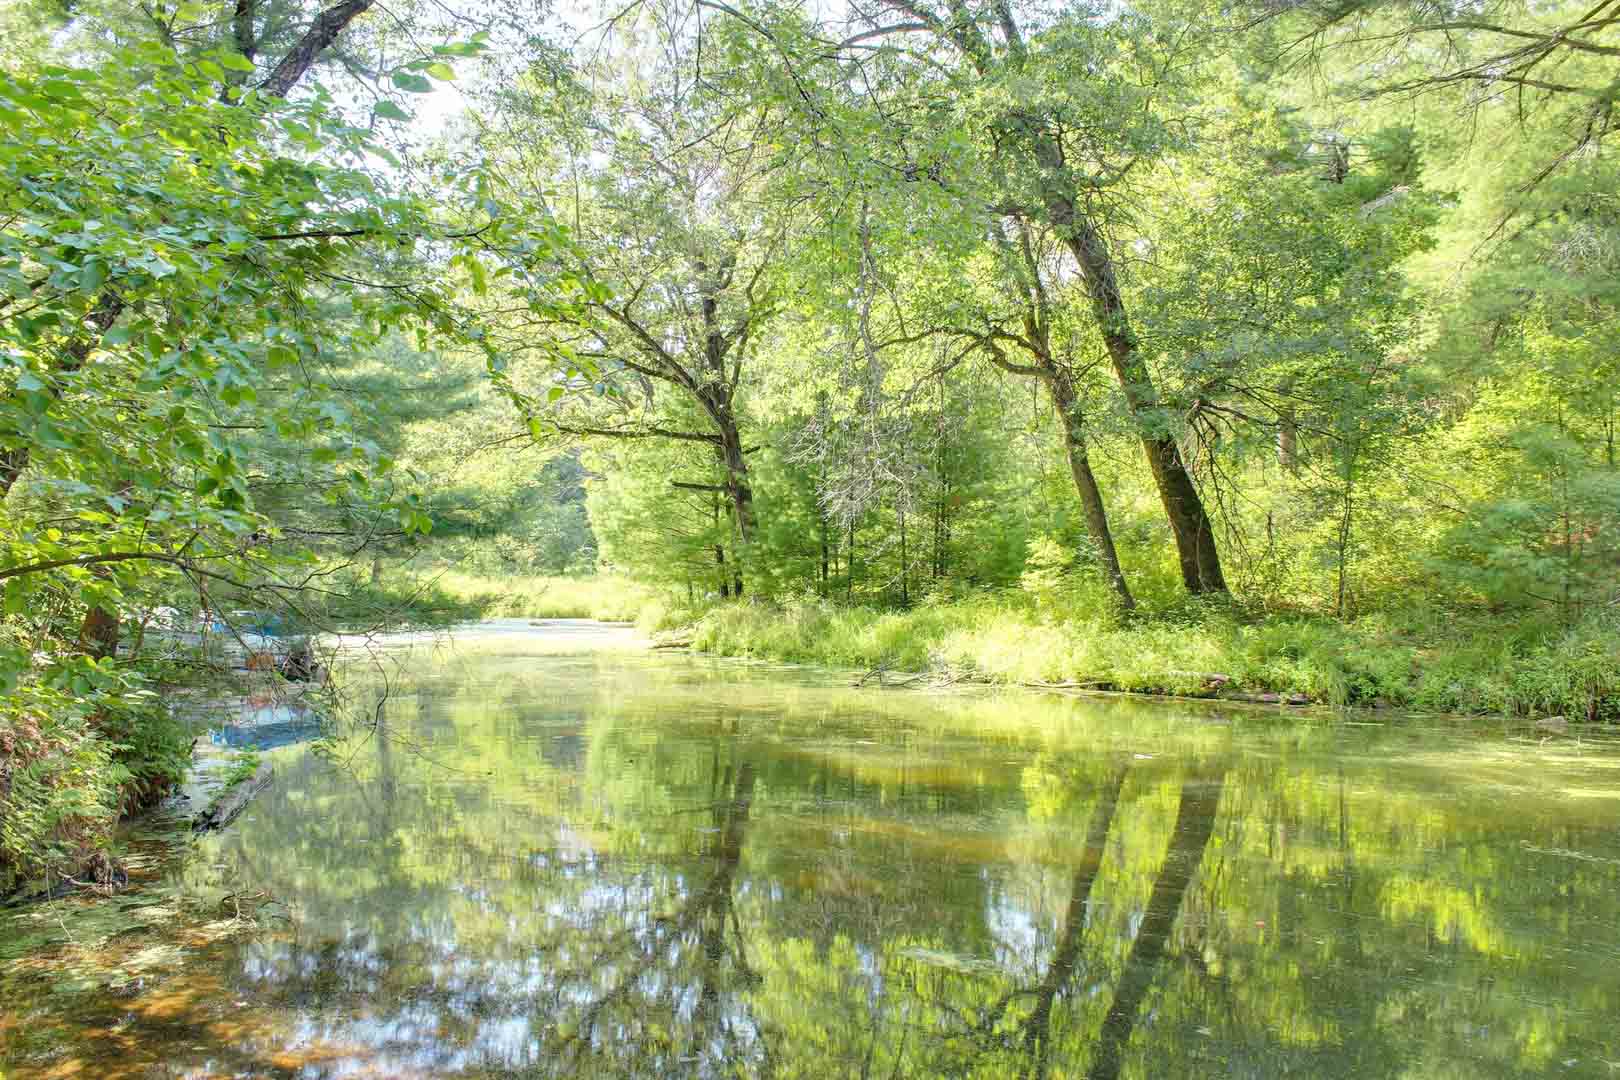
849, 568
825, 551
315, 40
905, 563
1195, 537
1091, 500
1347, 508
734, 463
942, 524
98, 634
1288, 439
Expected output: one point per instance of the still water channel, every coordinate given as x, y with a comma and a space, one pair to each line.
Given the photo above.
576, 861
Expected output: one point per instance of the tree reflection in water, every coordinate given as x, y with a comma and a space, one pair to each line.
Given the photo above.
609, 867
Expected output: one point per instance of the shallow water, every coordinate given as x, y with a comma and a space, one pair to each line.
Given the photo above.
550, 861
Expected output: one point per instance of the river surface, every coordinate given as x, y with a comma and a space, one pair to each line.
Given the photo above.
550, 855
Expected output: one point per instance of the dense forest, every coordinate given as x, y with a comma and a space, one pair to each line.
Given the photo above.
1268, 345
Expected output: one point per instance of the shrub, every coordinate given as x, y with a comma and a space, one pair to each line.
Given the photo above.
82, 744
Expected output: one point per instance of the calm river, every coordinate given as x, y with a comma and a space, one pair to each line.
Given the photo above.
558, 858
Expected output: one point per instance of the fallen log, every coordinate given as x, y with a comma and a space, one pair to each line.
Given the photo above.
1265, 699
224, 810
678, 638
1070, 684
111, 877
1210, 679
876, 673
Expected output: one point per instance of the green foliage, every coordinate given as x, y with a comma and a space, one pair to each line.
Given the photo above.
58, 789
1426, 661
188, 269
240, 767
601, 596
82, 743
160, 297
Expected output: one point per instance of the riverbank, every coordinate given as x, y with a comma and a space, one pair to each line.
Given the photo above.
1427, 659
414, 598
76, 767
1430, 662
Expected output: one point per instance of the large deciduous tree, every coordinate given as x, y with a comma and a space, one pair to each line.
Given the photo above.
1068, 107
678, 246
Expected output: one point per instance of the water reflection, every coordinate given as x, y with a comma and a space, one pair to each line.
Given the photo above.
269, 725
595, 866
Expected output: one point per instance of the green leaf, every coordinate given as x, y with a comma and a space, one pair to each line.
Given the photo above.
389, 111
441, 71
236, 62
93, 276
413, 83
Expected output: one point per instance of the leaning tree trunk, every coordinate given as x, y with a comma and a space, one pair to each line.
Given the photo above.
1195, 537
1091, 500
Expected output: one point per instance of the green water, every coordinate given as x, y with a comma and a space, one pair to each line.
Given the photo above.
631, 864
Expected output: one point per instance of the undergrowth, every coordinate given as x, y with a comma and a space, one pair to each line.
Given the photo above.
83, 744
1425, 660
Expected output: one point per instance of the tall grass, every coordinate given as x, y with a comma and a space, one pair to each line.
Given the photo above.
1066, 631
1430, 661
606, 597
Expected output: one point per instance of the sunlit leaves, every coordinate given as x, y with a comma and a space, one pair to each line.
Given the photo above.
390, 111
412, 82
178, 264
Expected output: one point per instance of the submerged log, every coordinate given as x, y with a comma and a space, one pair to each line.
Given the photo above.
224, 810
105, 877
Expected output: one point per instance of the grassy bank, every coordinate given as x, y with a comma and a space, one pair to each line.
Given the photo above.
415, 597
1427, 661
604, 596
